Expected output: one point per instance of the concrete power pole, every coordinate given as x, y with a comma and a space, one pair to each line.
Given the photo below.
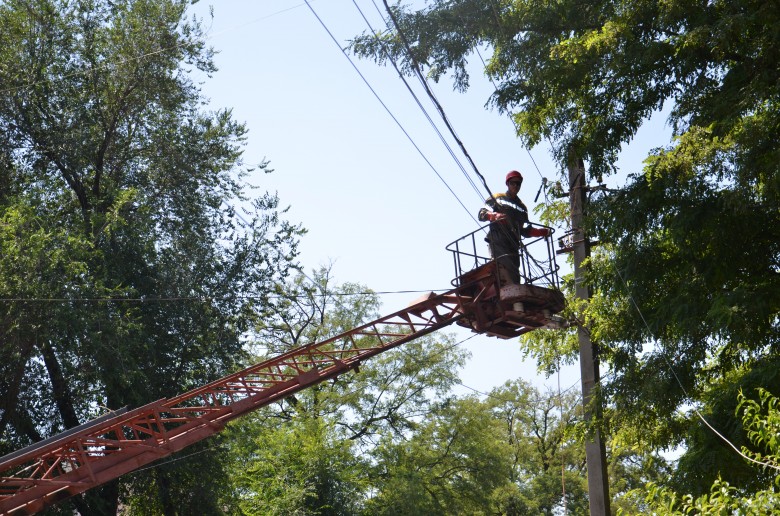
595, 451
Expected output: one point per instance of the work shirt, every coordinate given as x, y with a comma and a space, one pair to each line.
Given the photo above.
514, 225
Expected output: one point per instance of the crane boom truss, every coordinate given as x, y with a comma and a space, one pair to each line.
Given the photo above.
43, 474
101, 450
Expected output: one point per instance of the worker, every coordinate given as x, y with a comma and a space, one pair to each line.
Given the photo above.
509, 222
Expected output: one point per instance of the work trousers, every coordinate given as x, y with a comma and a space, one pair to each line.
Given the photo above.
505, 250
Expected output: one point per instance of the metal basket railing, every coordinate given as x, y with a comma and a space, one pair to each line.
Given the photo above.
537, 257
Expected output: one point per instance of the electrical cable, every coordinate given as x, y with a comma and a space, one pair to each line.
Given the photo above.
430, 93
684, 390
387, 109
418, 72
502, 228
417, 100
145, 299
175, 459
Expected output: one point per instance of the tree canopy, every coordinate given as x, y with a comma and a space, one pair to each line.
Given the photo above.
686, 279
127, 272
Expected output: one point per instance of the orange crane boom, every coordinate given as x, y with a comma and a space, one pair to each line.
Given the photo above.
55, 469
101, 450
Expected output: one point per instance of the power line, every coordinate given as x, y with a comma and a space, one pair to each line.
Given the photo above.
387, 109
433, 98
684, 390
168, 299
417, 100
418, 73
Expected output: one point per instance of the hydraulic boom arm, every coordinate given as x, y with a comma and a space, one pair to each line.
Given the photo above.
102, 450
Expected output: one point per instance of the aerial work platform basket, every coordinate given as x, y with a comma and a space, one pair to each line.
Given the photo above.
514, 308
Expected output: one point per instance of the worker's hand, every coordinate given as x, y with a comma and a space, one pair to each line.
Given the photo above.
495, 216
538, 232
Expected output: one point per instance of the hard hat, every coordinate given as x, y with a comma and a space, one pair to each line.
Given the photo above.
513, 174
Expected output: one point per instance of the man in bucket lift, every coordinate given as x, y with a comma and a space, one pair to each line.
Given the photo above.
509, 222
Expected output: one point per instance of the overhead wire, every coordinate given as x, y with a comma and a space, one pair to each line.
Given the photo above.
324, 26
685, 391
414, 95
429, 91
433, 98
418, 73
423, 82
167, 299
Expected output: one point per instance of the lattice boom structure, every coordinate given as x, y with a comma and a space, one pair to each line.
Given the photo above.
106, 448
43, 474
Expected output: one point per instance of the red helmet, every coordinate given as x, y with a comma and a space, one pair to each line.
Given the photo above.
513, 174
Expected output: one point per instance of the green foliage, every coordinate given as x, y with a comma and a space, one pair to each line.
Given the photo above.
690, 265
125, 275
761, 420
685, 283
451, 464
298, 467
547, 457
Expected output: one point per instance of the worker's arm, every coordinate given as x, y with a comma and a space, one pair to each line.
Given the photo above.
489, 212
536, 232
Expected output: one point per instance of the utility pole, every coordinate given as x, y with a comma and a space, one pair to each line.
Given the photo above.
595, 451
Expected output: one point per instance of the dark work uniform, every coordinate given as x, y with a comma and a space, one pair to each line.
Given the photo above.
504, 235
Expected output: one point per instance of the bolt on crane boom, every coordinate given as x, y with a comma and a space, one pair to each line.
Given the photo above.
101, 450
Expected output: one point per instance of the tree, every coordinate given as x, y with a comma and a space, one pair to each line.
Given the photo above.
312, 453
547, 459
301, 466
761, 420
685, 281
452, 464
126, 274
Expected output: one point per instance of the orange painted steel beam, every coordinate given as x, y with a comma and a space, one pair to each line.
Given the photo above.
44, 474
106, 448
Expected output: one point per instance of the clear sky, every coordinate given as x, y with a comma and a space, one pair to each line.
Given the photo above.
378, 204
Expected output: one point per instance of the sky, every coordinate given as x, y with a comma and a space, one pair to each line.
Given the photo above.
360, 166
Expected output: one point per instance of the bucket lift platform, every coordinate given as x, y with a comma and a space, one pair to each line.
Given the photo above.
509, 310
513, 309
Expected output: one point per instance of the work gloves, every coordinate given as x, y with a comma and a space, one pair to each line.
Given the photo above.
495, 216
538, 232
